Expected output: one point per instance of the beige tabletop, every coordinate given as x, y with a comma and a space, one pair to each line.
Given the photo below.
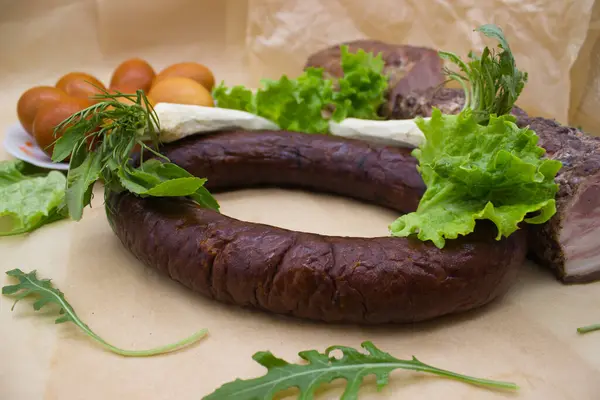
528, 337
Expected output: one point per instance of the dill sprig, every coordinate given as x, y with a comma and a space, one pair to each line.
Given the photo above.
100, 140
491, 82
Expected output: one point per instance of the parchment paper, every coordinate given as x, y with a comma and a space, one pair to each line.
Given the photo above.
545, 36
528, 336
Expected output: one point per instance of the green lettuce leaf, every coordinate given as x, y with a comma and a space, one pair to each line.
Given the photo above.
10, 172
236, 98
361, 90
296, 105
472, 172
306, 103
28, 202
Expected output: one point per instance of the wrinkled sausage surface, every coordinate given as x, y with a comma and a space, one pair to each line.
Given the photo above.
240, 159
325, 278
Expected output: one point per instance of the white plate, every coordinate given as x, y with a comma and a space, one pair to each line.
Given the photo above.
22, 145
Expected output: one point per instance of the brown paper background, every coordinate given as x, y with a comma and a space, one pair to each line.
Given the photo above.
528, 336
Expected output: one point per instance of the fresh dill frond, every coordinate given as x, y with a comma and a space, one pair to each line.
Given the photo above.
100, 140
491, 82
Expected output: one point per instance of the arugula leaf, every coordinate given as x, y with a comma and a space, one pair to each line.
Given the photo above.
28, 202
66, 143
175, 187
303, 104
80, 184
322, 368
472, 172
203, 197
159, 179
29, 284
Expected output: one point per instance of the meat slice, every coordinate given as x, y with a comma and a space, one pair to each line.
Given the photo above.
570, 242
411, 69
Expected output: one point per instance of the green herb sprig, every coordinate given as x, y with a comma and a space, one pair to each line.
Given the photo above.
492, 82
30, 285
323, 368
589, 328
100, 140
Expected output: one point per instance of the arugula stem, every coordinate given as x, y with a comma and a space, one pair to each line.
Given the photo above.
127, 353
407, 365
403, 364
463, 378
589, 328
150, 352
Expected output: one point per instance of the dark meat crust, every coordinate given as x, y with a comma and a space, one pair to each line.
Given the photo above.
580, 156
324, 278
412, 70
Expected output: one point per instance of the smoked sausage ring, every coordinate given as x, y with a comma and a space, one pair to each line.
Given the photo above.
324, 278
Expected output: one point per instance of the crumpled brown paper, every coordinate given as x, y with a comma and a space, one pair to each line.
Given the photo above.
527, 337
545, 36
585, 76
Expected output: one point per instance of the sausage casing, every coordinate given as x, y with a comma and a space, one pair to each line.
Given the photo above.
325, 278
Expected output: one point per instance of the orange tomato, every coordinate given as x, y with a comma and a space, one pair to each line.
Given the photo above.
132, 75
180, 90
195, 71
49, 116
81, 85
32, 99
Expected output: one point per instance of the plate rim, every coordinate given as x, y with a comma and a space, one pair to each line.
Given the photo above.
8, 131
